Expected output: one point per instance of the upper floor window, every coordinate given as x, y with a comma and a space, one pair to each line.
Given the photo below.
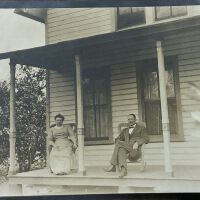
165, 12
130, 16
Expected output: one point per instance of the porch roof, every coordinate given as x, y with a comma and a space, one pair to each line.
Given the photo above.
54, 56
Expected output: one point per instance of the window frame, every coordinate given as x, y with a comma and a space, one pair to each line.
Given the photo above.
110, 139
171, 15
173, 62
129, 26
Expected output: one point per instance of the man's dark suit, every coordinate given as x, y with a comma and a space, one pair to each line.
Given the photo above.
124, 145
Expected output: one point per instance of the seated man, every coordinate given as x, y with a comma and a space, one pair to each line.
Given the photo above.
129, 143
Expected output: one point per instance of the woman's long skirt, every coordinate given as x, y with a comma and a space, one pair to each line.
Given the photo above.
60, 157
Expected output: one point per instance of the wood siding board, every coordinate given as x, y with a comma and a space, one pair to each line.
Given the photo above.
182, 35
182, 42
61, 89
188, 67
58, 94
64, 104
190, 52
124, 97
190, 73
56, 11
61, 84
55, 80
121, 70
123, 87
190, 61
124, 77
125, 107
125, 102
121, 113
83, 14
82, 22
123, 81
189, 79
186, 86
61, 96
77, 32
124, 92
82, 29
87, 33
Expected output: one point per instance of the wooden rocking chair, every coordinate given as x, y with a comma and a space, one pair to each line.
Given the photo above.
140, 160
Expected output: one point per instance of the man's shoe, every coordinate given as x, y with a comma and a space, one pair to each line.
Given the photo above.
123, 172
110, 168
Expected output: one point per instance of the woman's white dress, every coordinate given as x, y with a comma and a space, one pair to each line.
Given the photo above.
60, 155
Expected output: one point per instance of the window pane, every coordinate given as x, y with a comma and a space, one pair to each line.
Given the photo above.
163, 12
138, 16
124, 11
153, 117
179, 10
169, 83
87, 92
151, 86
130, 16
101, 94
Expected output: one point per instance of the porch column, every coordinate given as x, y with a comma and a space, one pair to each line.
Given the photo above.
12, 136
80, 125
164, 108
47, 117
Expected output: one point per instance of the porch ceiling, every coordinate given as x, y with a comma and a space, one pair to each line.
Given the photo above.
55, 56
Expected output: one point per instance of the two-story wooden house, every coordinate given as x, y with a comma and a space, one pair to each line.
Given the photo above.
105, 63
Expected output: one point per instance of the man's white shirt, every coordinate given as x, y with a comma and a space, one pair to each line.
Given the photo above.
131, 129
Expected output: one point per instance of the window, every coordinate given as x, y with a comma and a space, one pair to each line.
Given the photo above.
130, 16
97, 105
148, 78
165, 12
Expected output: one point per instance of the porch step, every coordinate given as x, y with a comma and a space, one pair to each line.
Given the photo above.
186, 179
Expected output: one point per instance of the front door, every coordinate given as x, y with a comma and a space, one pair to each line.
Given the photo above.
96, 105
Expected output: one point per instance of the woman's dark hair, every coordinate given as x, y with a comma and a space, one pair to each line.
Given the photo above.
133, 115
59, 116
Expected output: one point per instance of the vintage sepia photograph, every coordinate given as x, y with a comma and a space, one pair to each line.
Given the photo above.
99, 100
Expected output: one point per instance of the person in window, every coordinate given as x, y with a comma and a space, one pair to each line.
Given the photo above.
128, 145
62, 140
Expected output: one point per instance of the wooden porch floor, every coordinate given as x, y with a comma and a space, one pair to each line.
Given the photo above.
185, 179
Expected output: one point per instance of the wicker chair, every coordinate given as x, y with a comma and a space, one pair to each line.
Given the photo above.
141, 161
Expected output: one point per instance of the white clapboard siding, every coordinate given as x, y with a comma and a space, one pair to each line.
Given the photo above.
123, 103
122, 59
69, 23
62, 95
186, 47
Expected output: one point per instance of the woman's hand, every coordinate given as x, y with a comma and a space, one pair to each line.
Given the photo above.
75, 146
51, 143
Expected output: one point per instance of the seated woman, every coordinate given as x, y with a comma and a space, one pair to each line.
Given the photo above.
62, 140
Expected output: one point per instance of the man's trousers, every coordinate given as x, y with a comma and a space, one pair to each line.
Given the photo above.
121, 152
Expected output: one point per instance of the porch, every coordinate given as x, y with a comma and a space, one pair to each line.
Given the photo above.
153, 179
